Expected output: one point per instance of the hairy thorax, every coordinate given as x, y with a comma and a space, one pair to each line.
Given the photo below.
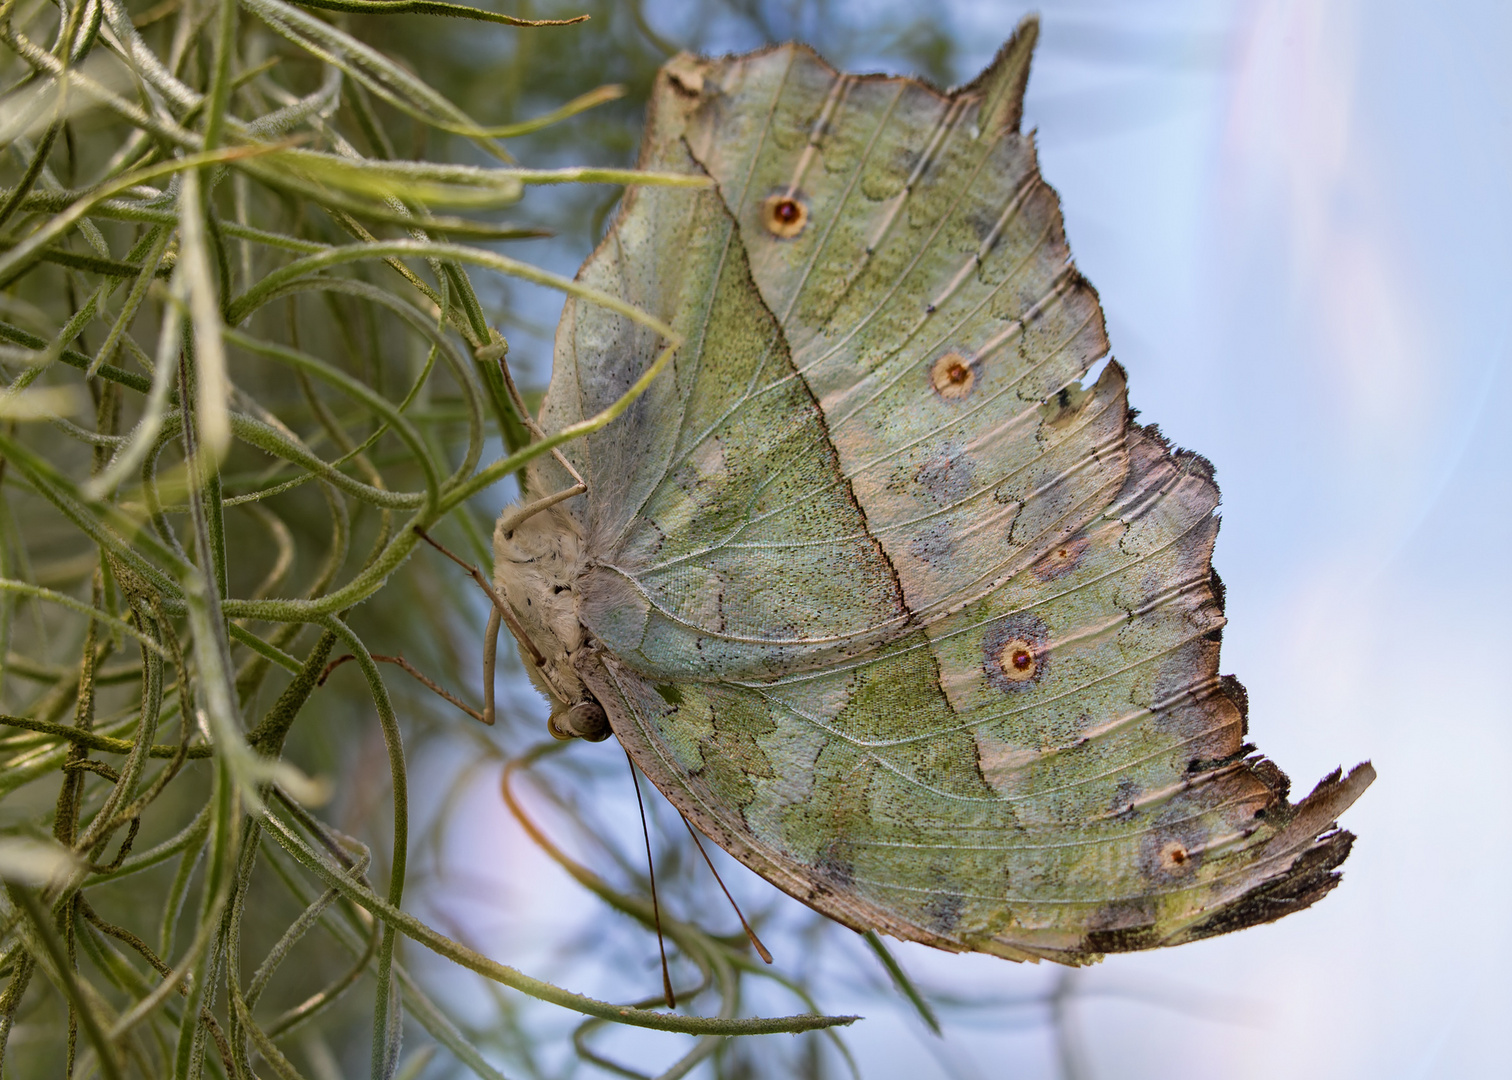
536, 563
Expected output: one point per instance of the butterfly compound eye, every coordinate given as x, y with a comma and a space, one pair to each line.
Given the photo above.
784, 215
584, 720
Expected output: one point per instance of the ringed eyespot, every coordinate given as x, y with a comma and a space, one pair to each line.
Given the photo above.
1017, 660
784, 214
1061, 559
1174, 855
1015, 653
952, 376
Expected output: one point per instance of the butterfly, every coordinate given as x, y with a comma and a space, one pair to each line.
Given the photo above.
883, 594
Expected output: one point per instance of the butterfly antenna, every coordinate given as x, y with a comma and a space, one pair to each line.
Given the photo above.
756, 944
651, 870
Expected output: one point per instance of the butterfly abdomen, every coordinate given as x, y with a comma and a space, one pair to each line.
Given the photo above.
537, 563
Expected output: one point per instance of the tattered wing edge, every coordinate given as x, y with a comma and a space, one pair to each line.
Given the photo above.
1311, 875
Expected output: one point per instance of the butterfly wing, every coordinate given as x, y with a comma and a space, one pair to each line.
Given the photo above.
888, 603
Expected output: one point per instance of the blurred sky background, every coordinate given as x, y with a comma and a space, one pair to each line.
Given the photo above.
1297, 215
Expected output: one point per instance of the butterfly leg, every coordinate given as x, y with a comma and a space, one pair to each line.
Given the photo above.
419, 676
535, 428
751, 934
513, 518
501, 609
581, 719
490, 661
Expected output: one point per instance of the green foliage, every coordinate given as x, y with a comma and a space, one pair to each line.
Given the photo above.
245, 365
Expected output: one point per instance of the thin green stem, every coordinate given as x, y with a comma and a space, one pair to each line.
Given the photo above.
399, 858
460, 954
60, 967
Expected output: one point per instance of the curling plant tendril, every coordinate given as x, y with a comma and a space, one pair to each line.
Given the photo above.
245, 363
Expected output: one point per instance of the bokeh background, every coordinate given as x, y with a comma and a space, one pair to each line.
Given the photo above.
1296, 213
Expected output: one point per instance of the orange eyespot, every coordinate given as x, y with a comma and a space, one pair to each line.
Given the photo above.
1173, 855
1017, 660
952, 376
1062, 559
1016, 653
784, 215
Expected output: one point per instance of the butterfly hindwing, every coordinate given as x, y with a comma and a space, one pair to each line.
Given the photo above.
923, 793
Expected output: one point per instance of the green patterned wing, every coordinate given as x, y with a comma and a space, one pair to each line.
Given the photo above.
883, 598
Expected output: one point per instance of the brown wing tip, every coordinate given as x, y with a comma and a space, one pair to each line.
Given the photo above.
1312, 877
1002, 83
684, 73
1332, 795
1315, 871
